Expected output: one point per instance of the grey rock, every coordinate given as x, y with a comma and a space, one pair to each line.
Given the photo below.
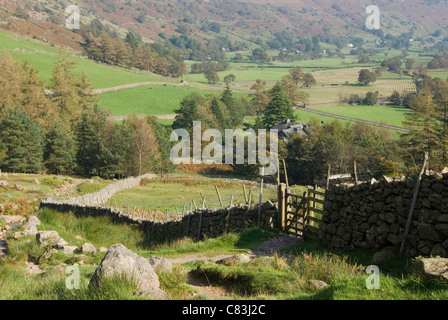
36, 181
45, 238
30, 226
4, 184
88, 248
317, 284
432, 268
384, 255
160, 264
236, 259
156, 294
47, 255
102, 249
122, 262
68, 249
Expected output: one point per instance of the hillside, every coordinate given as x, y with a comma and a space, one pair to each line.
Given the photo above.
241, 23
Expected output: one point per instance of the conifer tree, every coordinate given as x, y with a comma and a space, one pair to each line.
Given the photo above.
90, 142
235, 112
60, 149
279, 108
21, 142
188, 111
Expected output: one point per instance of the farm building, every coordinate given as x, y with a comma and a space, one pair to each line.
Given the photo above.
287, 127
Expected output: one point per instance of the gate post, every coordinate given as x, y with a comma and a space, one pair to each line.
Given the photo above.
281, 197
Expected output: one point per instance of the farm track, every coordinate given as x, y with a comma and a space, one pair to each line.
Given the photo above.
353, 119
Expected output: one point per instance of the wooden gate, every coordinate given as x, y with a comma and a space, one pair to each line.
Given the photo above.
315, 206
300, 215
295, 214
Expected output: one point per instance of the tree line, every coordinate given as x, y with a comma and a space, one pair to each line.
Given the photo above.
59, 128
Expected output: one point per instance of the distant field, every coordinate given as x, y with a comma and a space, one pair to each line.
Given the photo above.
438, 74
154, 100
392, 115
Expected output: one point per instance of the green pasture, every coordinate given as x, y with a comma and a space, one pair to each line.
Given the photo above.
154, 100
392, 115
11, 42
101, 76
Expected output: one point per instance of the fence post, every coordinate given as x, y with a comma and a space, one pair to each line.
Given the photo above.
355, 171
281, 199
219, 196
327, 185
414, 200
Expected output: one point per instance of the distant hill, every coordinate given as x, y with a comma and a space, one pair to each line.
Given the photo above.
249, 22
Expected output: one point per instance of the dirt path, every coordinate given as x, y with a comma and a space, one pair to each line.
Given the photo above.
205, 289
139, 84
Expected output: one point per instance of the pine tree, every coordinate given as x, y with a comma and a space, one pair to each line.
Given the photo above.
90, 142
21, 142
118, 150
60, 149
236, 113
279, 108
217, 111
188, 111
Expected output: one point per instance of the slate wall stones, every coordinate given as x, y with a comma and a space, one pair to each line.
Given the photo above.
374, 215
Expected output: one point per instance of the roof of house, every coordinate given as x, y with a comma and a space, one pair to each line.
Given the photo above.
288, 127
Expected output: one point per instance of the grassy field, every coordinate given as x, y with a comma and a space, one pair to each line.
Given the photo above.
101, 76
154, 100
392, 115
173, 192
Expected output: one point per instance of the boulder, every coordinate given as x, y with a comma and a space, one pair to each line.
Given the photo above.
236, 259
4, 184
384, 255
12, 219
160, 264
156, 294
47, 255
88, 248
432, 268
68, 249
35, 181
102, 249
317, 284
30, 226
122, 262
45, 238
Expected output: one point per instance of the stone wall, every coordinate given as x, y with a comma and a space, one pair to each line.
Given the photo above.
198, 224
374, 215
102, 196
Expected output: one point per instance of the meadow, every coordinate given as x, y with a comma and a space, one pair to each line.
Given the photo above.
171, 193
391, 115
154, 100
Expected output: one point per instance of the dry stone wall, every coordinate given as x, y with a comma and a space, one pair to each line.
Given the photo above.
197, 224
101, 197
374, 215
